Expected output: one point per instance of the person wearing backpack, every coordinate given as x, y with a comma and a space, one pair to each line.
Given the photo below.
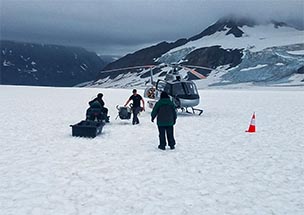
104, 110
166, 115
94, 112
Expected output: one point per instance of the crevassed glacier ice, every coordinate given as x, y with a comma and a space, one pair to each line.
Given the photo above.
268, 65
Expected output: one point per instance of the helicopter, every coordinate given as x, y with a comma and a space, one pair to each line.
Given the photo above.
182, 92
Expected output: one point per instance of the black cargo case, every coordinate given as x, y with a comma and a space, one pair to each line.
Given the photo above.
87, 128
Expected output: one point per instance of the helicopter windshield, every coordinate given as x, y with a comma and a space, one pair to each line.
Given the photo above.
184, 89
192, 88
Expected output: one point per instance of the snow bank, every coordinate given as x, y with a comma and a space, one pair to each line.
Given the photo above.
298, 52
253, 68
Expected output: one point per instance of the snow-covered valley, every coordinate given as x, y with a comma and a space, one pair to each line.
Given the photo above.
216, 168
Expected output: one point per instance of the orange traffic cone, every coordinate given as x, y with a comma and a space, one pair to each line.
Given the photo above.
251, 128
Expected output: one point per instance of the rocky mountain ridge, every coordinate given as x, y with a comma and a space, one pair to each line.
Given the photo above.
243, 50
46, 65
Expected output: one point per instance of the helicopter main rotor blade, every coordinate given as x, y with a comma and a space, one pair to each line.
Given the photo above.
154, 66
189, 68
127, 68
198, 67
194, 72
197, 74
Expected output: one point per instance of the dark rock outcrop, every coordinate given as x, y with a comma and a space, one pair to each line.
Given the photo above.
300, 70
214, 56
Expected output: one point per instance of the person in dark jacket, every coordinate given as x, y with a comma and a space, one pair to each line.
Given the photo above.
165, 111
104, 110
94, 112
136, 108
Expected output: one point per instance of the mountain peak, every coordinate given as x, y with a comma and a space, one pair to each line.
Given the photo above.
233, 25
234, 21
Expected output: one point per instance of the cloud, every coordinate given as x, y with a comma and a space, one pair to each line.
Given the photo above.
121, 26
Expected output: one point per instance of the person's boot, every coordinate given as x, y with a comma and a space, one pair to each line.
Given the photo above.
162, 148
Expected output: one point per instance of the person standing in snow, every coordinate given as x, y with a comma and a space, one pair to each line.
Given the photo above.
166, 115
136, 108
104, 110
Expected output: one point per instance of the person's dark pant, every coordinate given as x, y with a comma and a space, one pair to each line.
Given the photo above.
105, 111
162, 136
135, 114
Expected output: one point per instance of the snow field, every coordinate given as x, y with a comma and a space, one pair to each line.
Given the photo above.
217, 168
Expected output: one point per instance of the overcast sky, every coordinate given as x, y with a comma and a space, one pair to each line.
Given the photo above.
124, 26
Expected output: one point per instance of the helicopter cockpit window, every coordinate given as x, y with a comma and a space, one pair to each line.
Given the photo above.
192, 88
184, 89
167, 88
178, 89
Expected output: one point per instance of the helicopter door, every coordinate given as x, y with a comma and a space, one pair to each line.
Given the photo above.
160, 85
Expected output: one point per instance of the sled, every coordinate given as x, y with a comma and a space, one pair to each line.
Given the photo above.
87, 128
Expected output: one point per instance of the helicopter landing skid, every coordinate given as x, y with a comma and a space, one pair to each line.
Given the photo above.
200, 111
